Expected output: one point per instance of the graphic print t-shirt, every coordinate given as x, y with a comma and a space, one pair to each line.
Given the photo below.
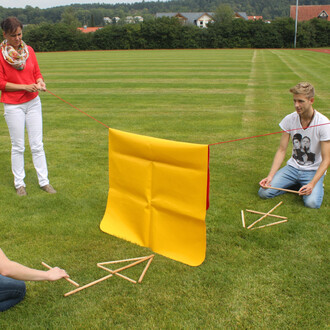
306, 143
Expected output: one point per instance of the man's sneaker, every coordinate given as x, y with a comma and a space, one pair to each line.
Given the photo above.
49, 189
21, 191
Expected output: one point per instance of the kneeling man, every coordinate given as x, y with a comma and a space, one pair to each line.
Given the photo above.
310, 159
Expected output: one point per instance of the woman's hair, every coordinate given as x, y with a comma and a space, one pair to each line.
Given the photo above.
304, 88
11, 24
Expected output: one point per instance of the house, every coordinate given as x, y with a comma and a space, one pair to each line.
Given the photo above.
199, 19
241, 15
135, 19
107, 20
254, 18
86, 29
306, 13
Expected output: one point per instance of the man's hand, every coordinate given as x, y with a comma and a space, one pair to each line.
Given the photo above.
266, 182
306, 190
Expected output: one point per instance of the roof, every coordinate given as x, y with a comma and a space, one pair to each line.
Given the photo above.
241, 15
191, 17
305, 13
255, 18
88, 29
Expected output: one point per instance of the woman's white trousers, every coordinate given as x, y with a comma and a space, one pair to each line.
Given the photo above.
19, 116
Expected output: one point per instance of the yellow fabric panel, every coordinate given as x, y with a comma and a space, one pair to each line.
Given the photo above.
157, 195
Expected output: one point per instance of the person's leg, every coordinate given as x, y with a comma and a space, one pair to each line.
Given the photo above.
15, 119
314, 200
285, 178
34, 129
11, 292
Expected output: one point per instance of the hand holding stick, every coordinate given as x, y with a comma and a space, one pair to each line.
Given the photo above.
69, 280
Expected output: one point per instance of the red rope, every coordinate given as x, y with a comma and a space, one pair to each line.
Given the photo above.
212, 144
256, 136
77, 109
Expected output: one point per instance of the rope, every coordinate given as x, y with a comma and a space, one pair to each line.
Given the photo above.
256, 136
212, 144
77, 109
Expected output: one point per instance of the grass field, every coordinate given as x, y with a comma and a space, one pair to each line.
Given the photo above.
272, 278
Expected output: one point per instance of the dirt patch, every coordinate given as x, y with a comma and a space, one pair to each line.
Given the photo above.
327, 51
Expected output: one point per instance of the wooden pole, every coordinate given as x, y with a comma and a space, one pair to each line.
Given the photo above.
265, 215
68, 279
243, 219
88, 285
270, 224
270, 215
282, 189
118, 261
145, 269
118, 274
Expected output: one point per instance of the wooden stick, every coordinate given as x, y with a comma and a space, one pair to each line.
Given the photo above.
87, 285
243, 219
118, 274
105, 277
265, 215
282, 189
270, 224
145, 269
270, 215
118, 261
68, 279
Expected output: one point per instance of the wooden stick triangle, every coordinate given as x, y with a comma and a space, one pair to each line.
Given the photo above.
116, 272
265, 215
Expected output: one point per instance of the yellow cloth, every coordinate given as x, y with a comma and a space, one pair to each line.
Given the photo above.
158, 192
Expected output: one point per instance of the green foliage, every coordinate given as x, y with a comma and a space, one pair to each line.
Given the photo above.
69, 17
56, 37
169, 33
223, 14
271, 278
268, 9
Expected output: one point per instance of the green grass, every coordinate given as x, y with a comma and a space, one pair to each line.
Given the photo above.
271, 278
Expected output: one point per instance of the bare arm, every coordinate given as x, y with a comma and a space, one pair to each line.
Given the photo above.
278, 160
39, 85
325, 153
17, 271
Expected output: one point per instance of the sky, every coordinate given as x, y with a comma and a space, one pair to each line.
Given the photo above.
54, 3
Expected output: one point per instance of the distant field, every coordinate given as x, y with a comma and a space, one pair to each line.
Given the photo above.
271, 278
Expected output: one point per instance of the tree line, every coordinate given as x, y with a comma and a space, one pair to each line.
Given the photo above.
169, 33
87, 14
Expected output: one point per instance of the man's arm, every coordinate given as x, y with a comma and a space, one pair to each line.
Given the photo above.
17, 271
278, 160
325, 153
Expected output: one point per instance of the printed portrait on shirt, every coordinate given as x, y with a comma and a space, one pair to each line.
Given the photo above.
301, 151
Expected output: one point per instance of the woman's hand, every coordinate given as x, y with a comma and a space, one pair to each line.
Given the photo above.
56, 273
41, 85
32, 88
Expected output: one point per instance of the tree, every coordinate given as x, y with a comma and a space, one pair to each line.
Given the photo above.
223, 14
69, 17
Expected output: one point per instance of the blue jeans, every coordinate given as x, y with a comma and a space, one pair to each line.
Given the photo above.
11, 292
289, 176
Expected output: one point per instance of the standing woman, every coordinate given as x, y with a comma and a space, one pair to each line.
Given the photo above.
20, 80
